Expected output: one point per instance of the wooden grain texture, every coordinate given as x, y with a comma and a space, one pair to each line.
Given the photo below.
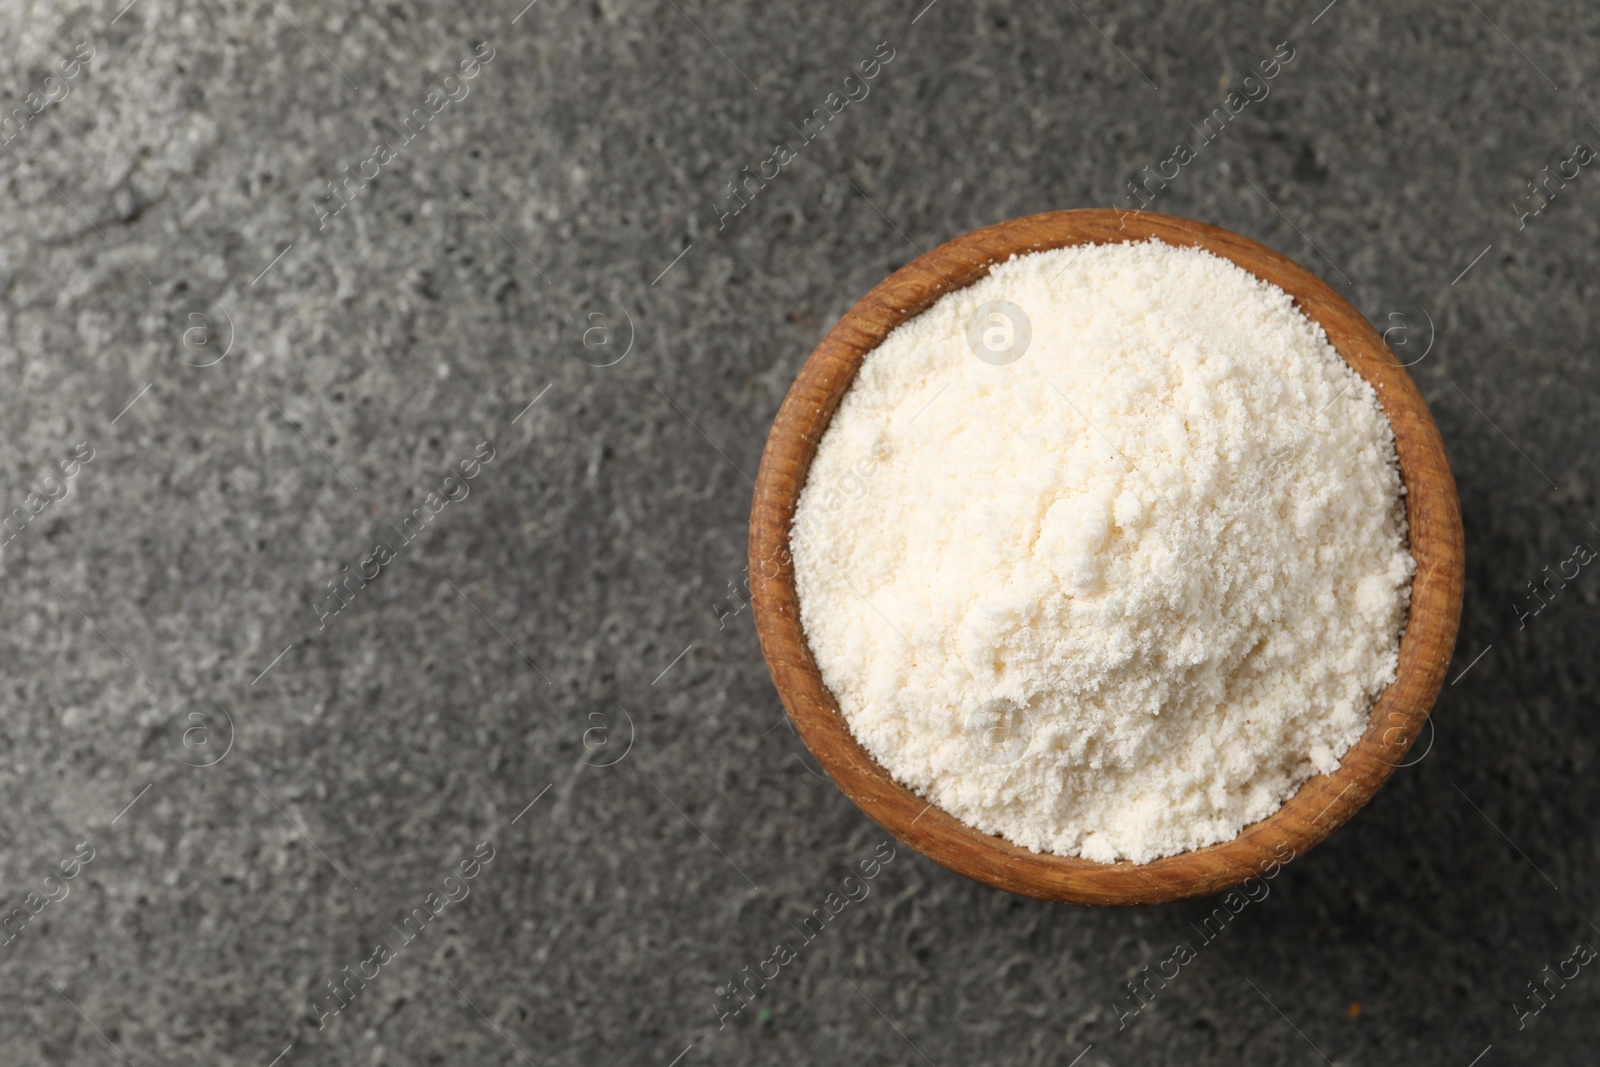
1325, 801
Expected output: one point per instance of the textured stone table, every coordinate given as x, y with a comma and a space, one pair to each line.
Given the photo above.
525, 343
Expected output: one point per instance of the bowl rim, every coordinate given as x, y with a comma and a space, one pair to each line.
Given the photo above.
1324, 802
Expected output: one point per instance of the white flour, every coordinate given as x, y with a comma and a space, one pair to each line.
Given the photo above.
1120, 597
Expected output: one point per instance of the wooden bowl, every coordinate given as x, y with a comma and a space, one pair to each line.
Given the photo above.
1324, 802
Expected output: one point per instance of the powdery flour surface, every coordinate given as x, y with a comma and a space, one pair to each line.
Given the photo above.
1121, 597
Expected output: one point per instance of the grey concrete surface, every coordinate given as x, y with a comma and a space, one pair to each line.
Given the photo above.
267, 790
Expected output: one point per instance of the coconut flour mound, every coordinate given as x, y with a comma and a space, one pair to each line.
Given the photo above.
1105, 554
